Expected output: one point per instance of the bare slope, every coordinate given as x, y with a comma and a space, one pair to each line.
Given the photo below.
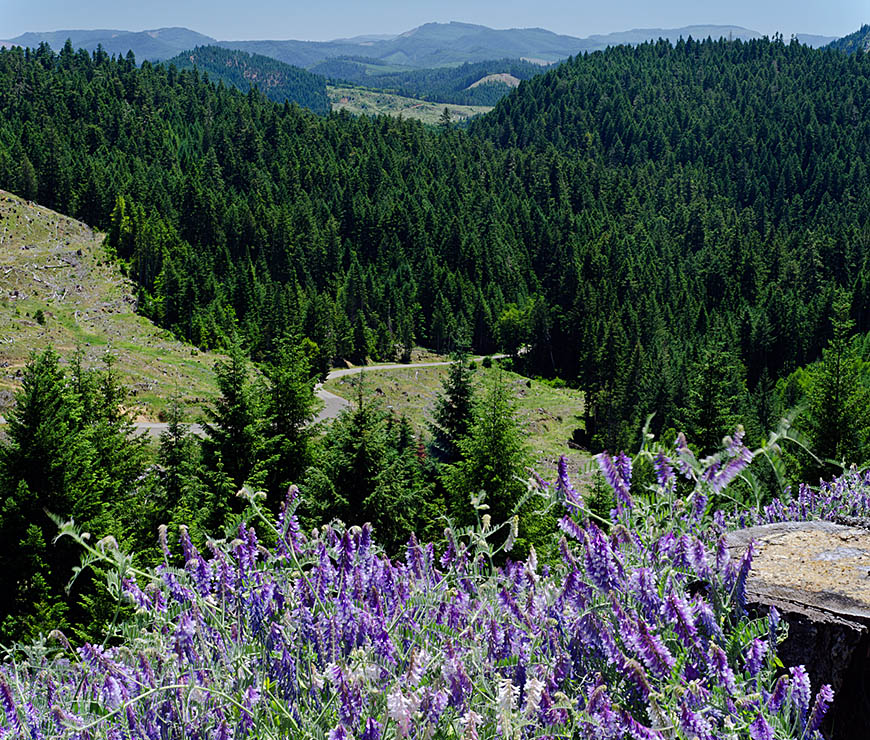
502, 77
358, 100
53, 264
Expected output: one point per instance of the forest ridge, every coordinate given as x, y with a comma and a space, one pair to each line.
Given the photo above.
622, 217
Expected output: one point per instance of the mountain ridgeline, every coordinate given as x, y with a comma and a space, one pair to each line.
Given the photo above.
278, 81
650, 223
429, 45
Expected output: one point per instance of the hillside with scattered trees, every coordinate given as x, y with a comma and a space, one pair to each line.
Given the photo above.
443, 84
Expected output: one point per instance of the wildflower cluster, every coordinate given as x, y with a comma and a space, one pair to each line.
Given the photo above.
633, 632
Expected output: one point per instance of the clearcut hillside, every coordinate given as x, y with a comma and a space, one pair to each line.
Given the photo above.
58, 289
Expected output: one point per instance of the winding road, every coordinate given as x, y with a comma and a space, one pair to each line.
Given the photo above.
332, 404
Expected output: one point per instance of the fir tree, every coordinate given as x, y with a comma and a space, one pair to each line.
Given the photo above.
838, 414
454, 410
493, 458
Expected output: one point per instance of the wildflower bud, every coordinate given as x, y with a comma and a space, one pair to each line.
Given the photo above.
161, 536
60, 637
107, 543
487, 519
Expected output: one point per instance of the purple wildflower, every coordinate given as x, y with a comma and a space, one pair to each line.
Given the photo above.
722, 670
372, 730
755, 656
570, 527
820, 708
678, 612
601, 563
9, 707
760, 729
779, 694
338, 733
618, 476
664, 471
800, 691
739, 592
694, 724
653, 651
571, 500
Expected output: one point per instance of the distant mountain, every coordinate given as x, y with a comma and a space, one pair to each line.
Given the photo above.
427, 46
640, 35
278, 81
155, 45
814, 41
854, 41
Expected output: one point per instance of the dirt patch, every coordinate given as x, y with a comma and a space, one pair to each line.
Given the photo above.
502, 77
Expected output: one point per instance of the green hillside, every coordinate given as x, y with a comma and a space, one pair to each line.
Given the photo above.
859, 40
365, 101
278, 81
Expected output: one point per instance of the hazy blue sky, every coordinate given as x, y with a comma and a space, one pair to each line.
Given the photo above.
327, 19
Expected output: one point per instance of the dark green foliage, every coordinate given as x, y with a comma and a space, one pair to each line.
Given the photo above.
70, 455
493, 458
234, 430
289, 411
276, 80
369, 469
614, 218
716, 398
838, 396
454, 411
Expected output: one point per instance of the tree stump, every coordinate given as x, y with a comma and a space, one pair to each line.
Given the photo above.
817, 575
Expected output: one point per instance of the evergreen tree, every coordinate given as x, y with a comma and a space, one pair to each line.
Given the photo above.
493, 458
838, 393
368, 470
69, 455
289, 412
716, 396
233, 441
454, 410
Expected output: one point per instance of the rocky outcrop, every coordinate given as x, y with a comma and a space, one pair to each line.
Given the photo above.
817, 574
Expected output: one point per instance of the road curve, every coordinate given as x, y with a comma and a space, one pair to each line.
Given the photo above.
332, 405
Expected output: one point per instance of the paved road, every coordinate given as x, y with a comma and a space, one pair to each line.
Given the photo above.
332, 404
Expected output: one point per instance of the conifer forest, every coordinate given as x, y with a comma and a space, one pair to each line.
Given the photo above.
679, 232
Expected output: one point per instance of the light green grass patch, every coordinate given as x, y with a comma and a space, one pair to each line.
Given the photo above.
361, 101
547, 415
